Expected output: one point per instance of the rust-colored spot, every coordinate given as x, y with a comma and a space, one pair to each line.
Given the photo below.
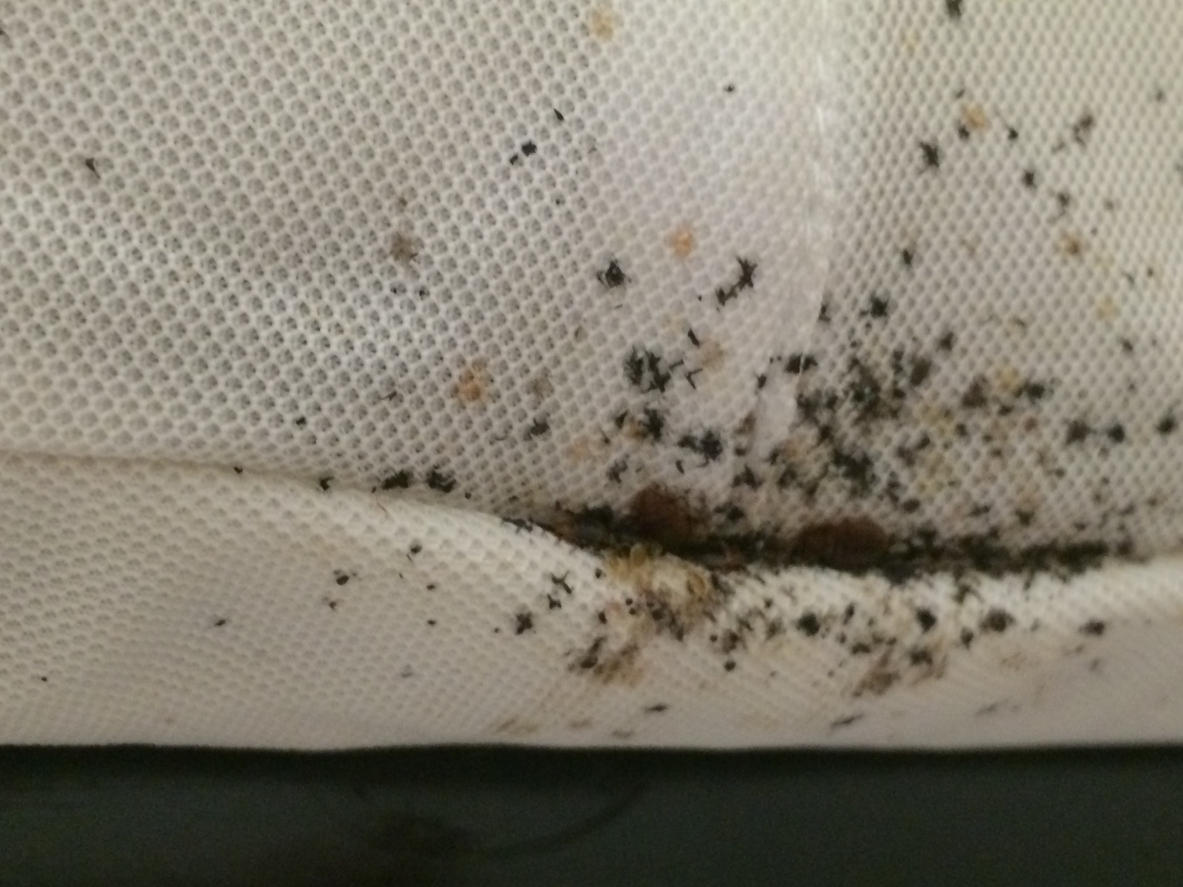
601, 24
682, 242
473, 383
853, 544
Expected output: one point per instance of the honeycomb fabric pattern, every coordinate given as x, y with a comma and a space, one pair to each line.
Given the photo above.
308, 312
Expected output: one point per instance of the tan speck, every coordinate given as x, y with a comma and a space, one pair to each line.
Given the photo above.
1071, 244
601, 24
472, 385
540, 386
711, 355
404, 248
1008, 380
1107, 308
974, 117
682, 242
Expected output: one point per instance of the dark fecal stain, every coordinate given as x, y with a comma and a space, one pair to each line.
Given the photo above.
953, 9
325, 482
729, 665
946, 341
440, 481
1093, 627
878, 307
975, 395
616, 470
220, 621
1029, 179
1078, 431
613, 276
400, 480
846, 721
529, 149
907, 256
652, 424
656, 709
657, 513
1116, 433
559, 115
237, 469
1167, 424
808, 624
342, 578
926, 619
538, 427
996, 620
523, 622
967, 637
1012, 134
301, 422
932, 154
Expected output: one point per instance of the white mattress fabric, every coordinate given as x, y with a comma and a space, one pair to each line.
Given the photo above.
714, 374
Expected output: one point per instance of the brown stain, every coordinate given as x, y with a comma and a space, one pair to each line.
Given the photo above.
601, 23
711, 355
1071, 244
682, 242
472, 384
540, 386
879, 678
974, 117
404, 248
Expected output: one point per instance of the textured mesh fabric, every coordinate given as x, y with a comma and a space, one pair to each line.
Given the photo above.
306, 311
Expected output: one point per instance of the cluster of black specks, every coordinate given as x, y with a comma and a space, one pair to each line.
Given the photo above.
523, 622
708, 445
931, 153
745, 280
647, 371
400, 480
538, 427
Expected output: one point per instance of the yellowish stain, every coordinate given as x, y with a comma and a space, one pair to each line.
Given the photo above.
601, 24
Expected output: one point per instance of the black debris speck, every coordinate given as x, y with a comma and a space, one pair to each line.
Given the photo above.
907, 256
953, 9
529, 148
237, 469
926, 619
932, 155
967, 637
325, 482
997, 620
559, 115
89, 162
878, 307
616, 470
1116, 432
1012, 134
747, 272
946, 341
523, 622
342, 578
1094, 627
809, 624
415, 548
729, 665
1029, 179
301, 422
539, 427
656, 709
1167, 424
220, 621
1078, 430
612, 276
690, 334
975, 395
761, 381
